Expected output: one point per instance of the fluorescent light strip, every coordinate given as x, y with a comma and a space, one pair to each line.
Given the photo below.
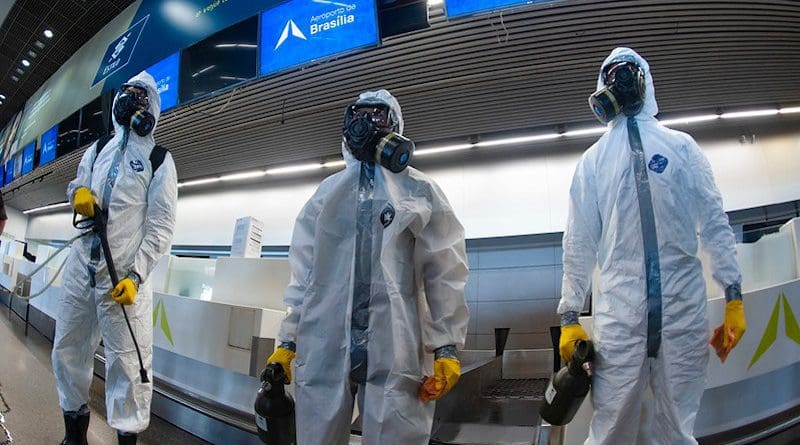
293, 169
199, 182
753, 113
334, 164
447, 148
690, 119
789, 110
245, 175
518, 140
585, 132
47, 207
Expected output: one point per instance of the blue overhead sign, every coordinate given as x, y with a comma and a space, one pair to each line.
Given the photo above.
27, 157
165, 73
119, 51
457, 8
300, 31
9, 171
49, 140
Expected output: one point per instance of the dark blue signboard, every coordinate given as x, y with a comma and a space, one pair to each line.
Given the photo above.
119, 51
165, 73
457, 8
28, 154
48, 152
300, 31
9, 171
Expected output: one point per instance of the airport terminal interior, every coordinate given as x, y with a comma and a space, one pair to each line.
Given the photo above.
381, 221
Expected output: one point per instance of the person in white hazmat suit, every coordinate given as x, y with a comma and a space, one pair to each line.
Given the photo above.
140, 204
642, 201
378, 273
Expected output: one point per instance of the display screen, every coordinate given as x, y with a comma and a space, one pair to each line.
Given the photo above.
300, 31
9, 171
226, 58
68, 134
48, 151
165, 74
457, 8
28, 155
91, 123
402, 16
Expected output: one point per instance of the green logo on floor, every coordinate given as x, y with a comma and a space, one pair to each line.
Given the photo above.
771, 332
161, 312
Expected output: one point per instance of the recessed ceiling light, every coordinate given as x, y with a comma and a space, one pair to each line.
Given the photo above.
25, 62
2, 97
47, 33
32, 54
15, 78
19, 70
38, 44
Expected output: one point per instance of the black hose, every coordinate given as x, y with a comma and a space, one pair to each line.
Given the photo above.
98, 225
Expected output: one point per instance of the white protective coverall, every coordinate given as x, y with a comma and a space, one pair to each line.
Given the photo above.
605, 229
413, 281
141, 215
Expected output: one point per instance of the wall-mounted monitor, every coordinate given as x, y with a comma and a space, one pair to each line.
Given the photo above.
68, 131
91, 122
48, 148
402, 16
460, 8
301, 31
224, 59
28, 158
9, 171
165, 74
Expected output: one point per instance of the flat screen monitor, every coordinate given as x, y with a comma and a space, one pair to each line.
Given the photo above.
460, 8
402, 16
48, 151
91, 122
224, 59
9, 171
301, 31
165, 74
68, 131
28, 158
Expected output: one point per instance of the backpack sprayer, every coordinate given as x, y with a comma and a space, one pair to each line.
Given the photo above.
89, 226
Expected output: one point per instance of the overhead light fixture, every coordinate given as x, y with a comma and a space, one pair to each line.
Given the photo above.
689, 119
334, 164
15, 78
32, 54
752, 113
210, 67
38, 44
518, 140
245, 175
584, 132
47, 207
19, 70
2, 97
444, 149
236, 45
293, 169
232, 78
788, 110
47, 33
198, 182
26, 63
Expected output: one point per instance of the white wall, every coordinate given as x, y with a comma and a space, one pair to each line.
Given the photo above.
17, 224
514, 197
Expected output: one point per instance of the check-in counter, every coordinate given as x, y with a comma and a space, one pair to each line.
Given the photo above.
758, 381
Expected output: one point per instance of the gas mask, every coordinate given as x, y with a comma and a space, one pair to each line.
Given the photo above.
371, 136
131, 110
624, 92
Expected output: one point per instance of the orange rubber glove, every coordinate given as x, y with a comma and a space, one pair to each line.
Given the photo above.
570, 334
446, 372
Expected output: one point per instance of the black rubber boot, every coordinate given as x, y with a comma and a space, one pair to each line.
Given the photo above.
76, 423
126, 438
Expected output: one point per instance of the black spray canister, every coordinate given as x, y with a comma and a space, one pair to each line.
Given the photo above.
275, 408
569, 386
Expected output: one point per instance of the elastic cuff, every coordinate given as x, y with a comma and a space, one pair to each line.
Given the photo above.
569, 317
448, 351
290, 345
733, 292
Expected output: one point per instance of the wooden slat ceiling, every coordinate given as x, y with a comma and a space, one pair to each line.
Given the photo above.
531, 68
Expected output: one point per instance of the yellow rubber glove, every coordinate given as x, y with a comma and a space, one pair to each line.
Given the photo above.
283, 357
727, 335
83, 202
570, 334
446, 372
124, 292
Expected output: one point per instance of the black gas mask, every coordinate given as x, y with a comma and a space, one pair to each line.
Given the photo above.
131, 110
624, 92
371, 136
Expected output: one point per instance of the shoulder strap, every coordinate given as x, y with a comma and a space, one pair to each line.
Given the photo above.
101, 143
157, 156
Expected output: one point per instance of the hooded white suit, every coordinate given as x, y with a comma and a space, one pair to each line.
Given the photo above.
141, 216
605, 227
408, 295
